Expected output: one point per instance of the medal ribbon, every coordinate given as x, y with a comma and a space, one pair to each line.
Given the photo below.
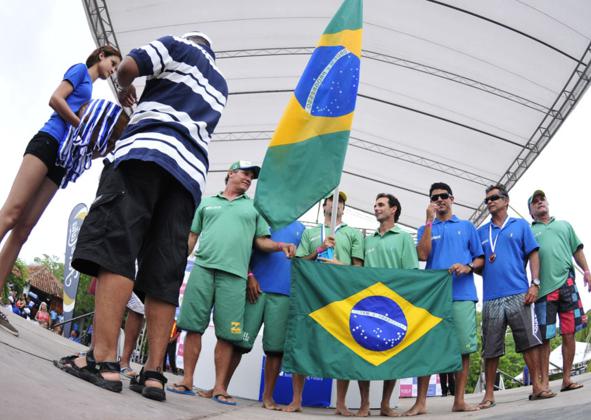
493, 244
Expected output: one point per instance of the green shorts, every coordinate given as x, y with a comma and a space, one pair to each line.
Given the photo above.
464, 313
272, 310
224, 292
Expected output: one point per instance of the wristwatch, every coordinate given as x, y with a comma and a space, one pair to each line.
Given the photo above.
536, 282
471, 265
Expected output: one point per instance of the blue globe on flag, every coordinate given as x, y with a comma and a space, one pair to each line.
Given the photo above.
377, 323
328, 87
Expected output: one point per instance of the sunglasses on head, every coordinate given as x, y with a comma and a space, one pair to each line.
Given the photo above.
443, 196
493, 198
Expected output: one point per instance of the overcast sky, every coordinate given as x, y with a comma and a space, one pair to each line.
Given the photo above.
43, 38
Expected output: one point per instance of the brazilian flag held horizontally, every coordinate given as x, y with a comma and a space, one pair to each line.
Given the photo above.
362, 323
305, 158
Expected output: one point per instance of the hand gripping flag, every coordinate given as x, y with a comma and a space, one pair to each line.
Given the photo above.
305, 158
370, 323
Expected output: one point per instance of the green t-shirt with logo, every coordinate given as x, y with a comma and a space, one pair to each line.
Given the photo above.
394, 249
227, 230
558, 242
349, 242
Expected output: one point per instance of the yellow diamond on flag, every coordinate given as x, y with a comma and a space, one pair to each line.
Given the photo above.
375, 323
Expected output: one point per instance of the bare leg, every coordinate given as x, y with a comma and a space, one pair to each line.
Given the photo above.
272, 368
223, 360
568, 355
112, 294
29, 217
25, 186
490, 373
385, 409
544, 364
460, 387
341, 409
191, 349
532, 360
133, 326
298, 389
364, 404
236, 357
160, 317
420, 406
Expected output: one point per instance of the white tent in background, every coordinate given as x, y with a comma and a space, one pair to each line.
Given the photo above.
582, 358
580, 362
459, 91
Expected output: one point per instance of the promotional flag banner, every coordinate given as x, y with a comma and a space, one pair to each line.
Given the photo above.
305, 158
370, 323
71, 276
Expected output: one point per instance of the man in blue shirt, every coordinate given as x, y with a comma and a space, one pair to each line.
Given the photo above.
508, 245
449, 243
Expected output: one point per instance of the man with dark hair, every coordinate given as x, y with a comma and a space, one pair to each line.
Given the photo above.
447, 242
508, 245
347, 244
145, 200
388, 247
558, 291
228, 226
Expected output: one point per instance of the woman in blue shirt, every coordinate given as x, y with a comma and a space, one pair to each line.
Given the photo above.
38, 177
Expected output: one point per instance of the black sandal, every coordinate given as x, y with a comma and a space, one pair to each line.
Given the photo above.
65, 361
92, 372
138, 384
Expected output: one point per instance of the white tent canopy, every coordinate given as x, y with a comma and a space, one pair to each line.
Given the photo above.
465, 92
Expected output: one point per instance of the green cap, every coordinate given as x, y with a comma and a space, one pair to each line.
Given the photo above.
534, 195
246, 165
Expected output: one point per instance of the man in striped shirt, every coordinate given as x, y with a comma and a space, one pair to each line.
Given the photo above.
146, 199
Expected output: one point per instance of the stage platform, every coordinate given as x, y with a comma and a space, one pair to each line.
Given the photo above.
31, 386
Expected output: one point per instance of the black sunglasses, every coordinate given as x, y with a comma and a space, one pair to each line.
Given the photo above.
443, 196
493, 198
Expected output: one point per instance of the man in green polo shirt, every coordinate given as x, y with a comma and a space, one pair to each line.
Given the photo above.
226, 225
388, 247
347, 244
558, 291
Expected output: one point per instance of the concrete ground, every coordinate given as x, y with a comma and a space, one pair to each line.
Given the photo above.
31, 386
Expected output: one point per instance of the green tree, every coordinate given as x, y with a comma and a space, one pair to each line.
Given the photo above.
84, 300
16, 281
55, 266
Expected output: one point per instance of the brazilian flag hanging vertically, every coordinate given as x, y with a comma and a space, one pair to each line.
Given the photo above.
305, 158
369, 323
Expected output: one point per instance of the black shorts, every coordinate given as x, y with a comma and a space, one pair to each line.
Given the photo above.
45, 147
142, 213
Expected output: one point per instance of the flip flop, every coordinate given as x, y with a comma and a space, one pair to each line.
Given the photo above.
216, 398
571, 387
486, 404
128, 372
544, 395
186, 391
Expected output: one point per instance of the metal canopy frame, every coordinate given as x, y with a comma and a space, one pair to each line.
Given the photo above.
102, 28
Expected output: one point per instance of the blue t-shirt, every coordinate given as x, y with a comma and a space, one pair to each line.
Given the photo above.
273, 270
454, 241
180, 107
506, 276
78, 77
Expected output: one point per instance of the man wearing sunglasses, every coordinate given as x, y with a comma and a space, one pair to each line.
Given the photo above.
447, 242
558, 291
508, 245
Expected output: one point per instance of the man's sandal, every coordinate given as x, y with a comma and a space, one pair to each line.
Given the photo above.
92, 372
138, 384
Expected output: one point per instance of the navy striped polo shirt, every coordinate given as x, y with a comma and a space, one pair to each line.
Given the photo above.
180, 107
